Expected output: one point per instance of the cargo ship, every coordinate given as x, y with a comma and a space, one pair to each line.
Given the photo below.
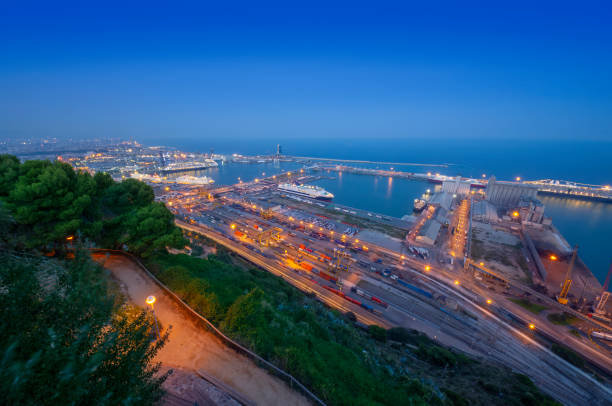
313, 192
419, 205
194, 180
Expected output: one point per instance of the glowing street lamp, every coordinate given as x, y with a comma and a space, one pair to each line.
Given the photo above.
489, 301
553, 257
427, 267
150, 300
531, 326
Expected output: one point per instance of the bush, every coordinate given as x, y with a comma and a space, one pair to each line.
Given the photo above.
400, 334
377, 333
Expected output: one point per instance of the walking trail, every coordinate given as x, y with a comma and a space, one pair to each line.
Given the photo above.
193, 347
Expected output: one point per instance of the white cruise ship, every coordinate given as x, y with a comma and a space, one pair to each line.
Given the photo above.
189, 166
194, 180
313, 192
144, 177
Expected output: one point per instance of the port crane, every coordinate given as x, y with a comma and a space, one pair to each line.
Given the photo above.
605, 295
567, 282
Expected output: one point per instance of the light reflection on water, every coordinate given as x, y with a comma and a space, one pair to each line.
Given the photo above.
586, 223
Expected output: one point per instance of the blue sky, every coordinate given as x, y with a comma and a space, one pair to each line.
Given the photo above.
530, 70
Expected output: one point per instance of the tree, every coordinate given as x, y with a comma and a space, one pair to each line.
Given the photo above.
9, 171
64, 339
49, 201
127, 195
149, 229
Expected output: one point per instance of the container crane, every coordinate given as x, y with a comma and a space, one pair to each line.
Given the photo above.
605, 295
567, 283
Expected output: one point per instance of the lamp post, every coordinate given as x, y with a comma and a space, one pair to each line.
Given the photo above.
150, 300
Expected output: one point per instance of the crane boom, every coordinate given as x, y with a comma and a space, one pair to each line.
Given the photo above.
567, 283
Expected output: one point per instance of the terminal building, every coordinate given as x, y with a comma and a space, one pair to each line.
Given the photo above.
507, 195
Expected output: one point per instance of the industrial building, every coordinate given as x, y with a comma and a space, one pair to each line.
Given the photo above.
456, 186
531, 210
507, 195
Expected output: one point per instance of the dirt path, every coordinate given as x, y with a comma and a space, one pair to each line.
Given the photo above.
192, 346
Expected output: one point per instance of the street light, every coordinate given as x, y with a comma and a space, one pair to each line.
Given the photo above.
489, 301
233, 226
553, 257
531, 326
150, 300
427, 267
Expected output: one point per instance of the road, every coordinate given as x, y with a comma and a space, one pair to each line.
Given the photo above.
191, 346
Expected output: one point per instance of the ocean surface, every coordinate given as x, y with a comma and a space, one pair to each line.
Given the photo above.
587, 224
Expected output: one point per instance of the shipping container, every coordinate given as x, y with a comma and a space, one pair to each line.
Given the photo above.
306, 265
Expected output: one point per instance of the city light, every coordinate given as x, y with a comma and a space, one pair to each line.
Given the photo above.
518, 178
456, 282
531, 326
515, 214
427, 267
489, 301
150, 300
402, 257
70, 238
233, 226
553, 257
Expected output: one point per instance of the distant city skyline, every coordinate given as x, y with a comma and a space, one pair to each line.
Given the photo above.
530, 71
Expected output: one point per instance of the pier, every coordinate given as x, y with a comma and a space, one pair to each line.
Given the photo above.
547, 186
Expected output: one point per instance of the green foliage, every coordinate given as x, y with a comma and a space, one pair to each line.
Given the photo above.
49, 201
9, 171
65, 340
568, 355
437, 355
532, 307
562, 319
400, 334
293, 331
378, 333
